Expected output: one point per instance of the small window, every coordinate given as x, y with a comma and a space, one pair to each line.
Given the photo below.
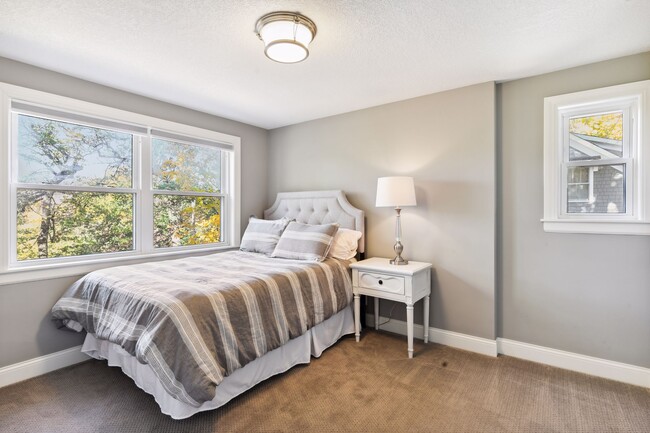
596, 160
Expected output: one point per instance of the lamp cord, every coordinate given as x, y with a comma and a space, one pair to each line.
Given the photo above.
390, 315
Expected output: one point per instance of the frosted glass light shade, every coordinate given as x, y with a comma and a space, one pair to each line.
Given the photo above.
286, 52
286, 36
395, 191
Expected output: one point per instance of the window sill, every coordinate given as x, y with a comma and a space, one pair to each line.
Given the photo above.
79, 268
602, 227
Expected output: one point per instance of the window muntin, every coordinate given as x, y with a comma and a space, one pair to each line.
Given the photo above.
87, 185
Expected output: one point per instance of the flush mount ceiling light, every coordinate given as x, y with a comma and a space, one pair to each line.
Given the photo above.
286, 36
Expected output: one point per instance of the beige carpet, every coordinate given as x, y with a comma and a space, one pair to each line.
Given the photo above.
369, 386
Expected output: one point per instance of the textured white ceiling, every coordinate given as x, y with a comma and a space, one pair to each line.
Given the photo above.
203, 54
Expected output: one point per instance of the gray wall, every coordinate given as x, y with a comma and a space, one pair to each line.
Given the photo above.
588, 294
446, 141
25, 329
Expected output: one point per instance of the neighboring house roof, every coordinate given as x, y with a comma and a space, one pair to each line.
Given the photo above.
614, 146
589, 148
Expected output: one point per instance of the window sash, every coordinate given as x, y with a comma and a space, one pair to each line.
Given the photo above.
595, 110
15, 263
224, 152
188, 193
223, 222
135, 156
564, 206
45, 112
186, 139
71, 188
628, 106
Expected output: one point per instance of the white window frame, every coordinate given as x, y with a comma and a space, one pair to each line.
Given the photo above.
633, 99
12, 271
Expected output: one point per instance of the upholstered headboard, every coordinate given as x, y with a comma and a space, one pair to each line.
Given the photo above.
319, 207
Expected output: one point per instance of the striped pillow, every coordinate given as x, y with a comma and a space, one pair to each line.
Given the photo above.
261, 236
305, 242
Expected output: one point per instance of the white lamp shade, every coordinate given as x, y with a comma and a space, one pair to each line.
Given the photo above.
395, 191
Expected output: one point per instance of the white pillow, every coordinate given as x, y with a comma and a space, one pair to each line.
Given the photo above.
345, 244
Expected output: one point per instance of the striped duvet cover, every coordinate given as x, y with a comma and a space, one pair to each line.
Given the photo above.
196, 320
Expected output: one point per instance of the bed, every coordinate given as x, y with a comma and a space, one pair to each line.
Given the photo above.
196, 332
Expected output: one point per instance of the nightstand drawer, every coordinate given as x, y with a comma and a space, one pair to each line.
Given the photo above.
383, 282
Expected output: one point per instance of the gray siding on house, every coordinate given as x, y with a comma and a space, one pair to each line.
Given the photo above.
608, 192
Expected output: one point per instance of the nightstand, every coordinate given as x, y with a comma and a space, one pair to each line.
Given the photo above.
376, 277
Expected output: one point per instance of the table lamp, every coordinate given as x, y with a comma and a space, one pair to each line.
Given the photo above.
396, 191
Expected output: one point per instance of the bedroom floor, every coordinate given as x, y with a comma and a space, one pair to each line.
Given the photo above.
368, 386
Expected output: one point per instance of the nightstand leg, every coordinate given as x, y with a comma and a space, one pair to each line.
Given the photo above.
409, 328
426, 319
357, 319
376, 314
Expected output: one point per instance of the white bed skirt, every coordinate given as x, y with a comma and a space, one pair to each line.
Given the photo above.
296, 351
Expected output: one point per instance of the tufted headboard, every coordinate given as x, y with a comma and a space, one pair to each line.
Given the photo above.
319, 207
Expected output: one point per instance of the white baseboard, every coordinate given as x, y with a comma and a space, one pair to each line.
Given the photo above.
41, 365
613, 370
484, 346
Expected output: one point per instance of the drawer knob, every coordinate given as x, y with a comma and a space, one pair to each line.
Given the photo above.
381, 282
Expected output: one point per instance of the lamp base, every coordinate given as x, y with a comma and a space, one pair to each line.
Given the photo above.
398, 247
399, 261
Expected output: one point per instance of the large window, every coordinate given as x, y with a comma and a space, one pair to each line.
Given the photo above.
88, 184
596, 161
